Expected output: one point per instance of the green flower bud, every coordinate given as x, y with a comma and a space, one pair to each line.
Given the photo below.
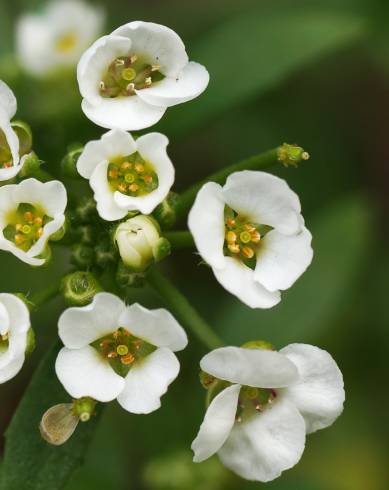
258, 344
138, 241
58, 424
79, 288
105, 253
85, 210
82, 256
291, 154
125, 277
161, 249
86, 234
69, 163
24, 134
165, 213
31, 166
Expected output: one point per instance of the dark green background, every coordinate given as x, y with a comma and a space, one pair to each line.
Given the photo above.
310, 72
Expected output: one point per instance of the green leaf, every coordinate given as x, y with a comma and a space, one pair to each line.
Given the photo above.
341, 243
29, 462
256, 51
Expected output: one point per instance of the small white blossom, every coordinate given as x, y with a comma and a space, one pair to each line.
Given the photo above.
129, 78
268, 403
253, 236
127, 175
56, 37
118, 351
14, 326
11, 162
137, 239
30, 214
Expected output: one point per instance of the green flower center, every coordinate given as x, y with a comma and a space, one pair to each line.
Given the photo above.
6, 160
242, 238
123, 350
25, 225
132, 175
4, 342
126, 74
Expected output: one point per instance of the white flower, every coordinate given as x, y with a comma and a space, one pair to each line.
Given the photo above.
269, 401
129, 78
10, 161
30, 214
137, 239
118, 351
127, 175
56, 38
14, 326
253, 236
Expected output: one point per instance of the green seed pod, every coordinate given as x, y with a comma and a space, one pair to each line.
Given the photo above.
84, 408
79, 288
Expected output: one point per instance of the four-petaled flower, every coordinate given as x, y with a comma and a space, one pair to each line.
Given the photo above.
127, 175
253, 236
14, 326
31, 214
265, 404
12, 157
118, 351
129, 78
57, 37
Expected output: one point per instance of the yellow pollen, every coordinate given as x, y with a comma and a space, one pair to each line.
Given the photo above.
245, 237
249, 227
26, 229
28, 216
126, 165
39, 233
18, 227
122, 188
38, 221
234, 248
133, 58
129, 74
248, 252
231, 222
231, 237
148, 81
139, 168
129, 178
255, 237
133, 187
19, 239
128, 359
66, 43
122, 350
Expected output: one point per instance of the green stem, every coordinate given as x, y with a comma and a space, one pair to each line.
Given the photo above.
182, 309
180, 239
41, 297
286, 154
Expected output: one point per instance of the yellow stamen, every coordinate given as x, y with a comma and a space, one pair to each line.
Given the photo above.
38, 221
39, 233
248, 252
231, 237
249, 227
148, 179
139, 168
231, 222
28, 216
234, 248
126, 165
112, 355
255, 237
128, 359
19, 239
122, 188
133, 187
148, 81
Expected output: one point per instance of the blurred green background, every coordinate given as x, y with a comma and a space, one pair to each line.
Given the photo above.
310, 72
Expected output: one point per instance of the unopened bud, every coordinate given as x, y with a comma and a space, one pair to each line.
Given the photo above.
126, 277
165, 213
137, 240
79, 288
31, 166
69, 162
105, 253
85, 210
82, 256
58, 424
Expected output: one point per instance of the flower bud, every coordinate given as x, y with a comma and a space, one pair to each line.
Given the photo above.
58, 424
165, 213
105, 253
125, 277
31, 166
138, 241
79, 288
292, 154
69, 162
82, 256
85, 210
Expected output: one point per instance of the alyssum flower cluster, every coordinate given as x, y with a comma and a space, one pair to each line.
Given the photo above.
248, 228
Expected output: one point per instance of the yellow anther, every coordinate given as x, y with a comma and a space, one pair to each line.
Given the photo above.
28, 216
231, 222
119, 62
122, 188
133, 58
133, 187
104, 344
126, 165
26, 229
38, 221
113, 174
255, 237
139, 168
234, 248
155, 67
122, 350
116, 334
7, 165
248, 252
128, 359
148, 81
39, 233
18, 226
129, 178
245, 237
249, 227
231, 237
148, 179
129, 74
112, 355
19, 239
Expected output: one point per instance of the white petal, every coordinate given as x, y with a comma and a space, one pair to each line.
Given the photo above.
157, 327
11, 369
7, 100
127, 113
83, 372
262, 447
253, 367
206, 223
282, 259
8, 246
265, 199
113, 144
152, 148
50, 195
187, 85
319, 395
148, 380
238, 279
4, 319
80, 326
218, 422
95, 62
13, 143
104, 196
159, 44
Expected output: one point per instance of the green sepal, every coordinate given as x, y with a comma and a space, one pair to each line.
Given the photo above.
79, 288
24, 134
